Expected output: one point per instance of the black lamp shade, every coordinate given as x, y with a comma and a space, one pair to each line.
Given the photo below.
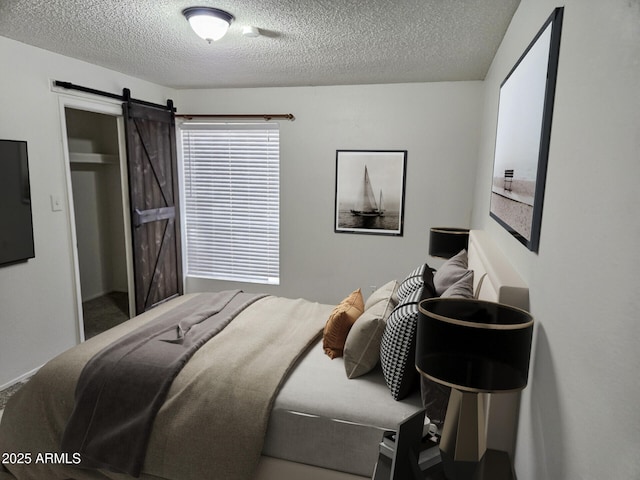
446, 242
474, 345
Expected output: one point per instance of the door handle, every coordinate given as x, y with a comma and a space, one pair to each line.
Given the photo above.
140, 217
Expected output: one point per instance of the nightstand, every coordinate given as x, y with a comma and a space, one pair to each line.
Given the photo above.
405, 455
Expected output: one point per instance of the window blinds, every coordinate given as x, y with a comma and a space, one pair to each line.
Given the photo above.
232, 201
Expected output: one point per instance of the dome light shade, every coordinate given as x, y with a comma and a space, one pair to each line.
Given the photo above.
209, 23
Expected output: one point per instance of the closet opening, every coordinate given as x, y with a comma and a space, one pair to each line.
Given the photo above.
98, 195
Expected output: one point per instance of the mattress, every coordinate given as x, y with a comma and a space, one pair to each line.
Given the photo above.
319, 416
322, 418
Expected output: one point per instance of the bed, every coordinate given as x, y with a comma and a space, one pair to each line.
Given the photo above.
317, 424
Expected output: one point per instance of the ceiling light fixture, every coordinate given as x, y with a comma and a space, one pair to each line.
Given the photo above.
208, 23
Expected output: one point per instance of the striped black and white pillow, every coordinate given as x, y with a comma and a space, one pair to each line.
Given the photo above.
412, 282
398, 346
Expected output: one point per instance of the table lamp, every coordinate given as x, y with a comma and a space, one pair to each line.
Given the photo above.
472, 346
445, 242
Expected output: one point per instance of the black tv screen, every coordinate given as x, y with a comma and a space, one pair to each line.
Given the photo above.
16, 226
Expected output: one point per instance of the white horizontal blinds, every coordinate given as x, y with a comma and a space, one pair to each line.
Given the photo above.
232, 201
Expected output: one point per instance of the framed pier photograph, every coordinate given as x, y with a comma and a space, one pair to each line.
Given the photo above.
523, 136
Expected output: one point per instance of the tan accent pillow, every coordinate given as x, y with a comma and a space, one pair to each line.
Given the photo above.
339, 323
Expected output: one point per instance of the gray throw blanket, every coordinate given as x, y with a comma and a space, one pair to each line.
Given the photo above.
122, 387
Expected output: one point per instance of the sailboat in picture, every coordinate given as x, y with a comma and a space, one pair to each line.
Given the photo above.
367, 205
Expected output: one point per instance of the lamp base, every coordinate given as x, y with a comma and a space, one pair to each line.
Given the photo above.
463, 441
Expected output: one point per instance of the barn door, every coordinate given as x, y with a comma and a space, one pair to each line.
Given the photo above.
153, 192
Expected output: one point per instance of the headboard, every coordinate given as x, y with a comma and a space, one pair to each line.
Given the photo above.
494, 279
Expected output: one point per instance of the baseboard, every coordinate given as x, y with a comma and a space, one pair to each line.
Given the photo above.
21, 378
103, 294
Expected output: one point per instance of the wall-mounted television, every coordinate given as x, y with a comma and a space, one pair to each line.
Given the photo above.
16, 224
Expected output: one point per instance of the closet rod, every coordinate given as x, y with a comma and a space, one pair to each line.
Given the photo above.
125, 97
265, 116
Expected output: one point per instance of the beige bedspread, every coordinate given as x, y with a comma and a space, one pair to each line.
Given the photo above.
213, 422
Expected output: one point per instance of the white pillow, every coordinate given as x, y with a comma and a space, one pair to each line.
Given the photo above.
387, 291
362, 347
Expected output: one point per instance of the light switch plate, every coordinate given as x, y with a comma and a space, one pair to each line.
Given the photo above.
56, 203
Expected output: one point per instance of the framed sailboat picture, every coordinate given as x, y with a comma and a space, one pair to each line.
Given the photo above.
370, 188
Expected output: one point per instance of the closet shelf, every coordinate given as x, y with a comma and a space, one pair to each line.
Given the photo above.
94, 158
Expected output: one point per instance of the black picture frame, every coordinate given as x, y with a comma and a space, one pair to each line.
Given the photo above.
523, 135
379, 208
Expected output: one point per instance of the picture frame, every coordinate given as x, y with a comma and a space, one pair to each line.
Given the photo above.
523, 135
370, 191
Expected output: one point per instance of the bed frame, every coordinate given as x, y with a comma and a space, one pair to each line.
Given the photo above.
494, 280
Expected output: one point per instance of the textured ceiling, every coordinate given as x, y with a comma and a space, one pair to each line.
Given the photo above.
304, 42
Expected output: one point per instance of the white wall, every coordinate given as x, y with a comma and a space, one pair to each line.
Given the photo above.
97, 200
37, 305
436, 123
580, 416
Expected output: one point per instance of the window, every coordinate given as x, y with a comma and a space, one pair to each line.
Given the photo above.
232, 201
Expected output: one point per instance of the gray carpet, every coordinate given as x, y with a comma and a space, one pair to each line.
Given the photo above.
105, 312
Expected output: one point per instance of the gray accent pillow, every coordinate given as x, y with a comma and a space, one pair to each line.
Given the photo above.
450, 272
463, 288
362, 348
